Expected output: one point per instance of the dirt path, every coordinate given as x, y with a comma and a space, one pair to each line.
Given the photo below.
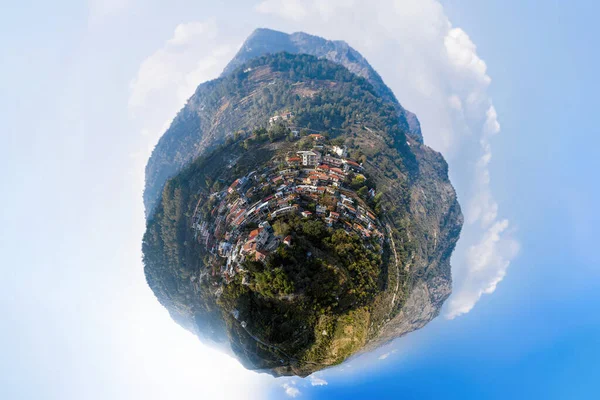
397, 266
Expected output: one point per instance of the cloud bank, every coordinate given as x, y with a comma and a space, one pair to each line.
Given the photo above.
290, 389
386, 355
317, 381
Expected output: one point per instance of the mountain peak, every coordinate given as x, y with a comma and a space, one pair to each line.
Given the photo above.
268, 41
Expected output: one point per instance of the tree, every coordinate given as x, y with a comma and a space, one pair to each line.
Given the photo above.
281, 228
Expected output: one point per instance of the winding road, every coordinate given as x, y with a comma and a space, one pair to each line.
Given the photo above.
387, 226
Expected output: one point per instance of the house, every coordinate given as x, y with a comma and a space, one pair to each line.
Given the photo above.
248, 248
351, 165
265, 225
337, 171
239, 218
224, 249
294, 160
309, 158
334, 216
233, 186
340, 151
288, 240
332, 161
260, 256
259, 235
306, 214
346, 199
242, 183
333, 188
282, 203
321, 209
316, 137
313, 179
351, 209
274, 119
307, 188
284, 210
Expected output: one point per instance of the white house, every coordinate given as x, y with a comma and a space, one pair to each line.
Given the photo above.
309, 158
340, 151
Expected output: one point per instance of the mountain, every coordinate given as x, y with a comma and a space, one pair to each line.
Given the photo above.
264, 41
193, 132
309, 224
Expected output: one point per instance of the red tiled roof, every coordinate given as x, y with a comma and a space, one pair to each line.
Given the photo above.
249, 247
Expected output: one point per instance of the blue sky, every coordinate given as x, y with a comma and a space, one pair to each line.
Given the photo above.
87, 88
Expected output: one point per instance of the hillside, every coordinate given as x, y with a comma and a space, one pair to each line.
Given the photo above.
264, 41
204, 122
311, 228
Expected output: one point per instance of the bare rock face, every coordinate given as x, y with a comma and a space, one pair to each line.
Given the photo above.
294, 266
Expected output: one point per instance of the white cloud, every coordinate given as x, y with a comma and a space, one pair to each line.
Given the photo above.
488, 261
291, 9
436, 72
317, 381
386, 355
187, 32
193, 55
167, 78
455, 102
99, 10
291, 389
462, 52
491, 123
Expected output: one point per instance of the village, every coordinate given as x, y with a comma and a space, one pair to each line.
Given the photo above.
312, 184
